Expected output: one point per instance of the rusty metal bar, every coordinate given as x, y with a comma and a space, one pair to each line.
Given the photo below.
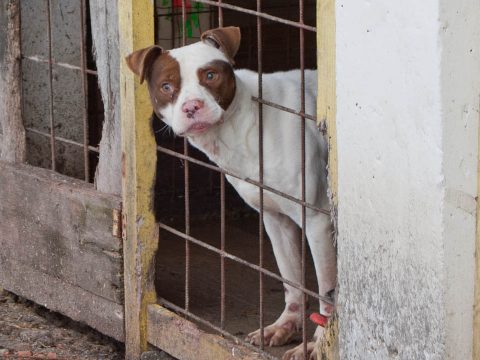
188, 314
83, 67
222, 223
39, 59
250, 181
187, 185
284, 108
220, 13
63, 140
222, 247
258, 14
227, 255
50, 82
260, 173
303, 176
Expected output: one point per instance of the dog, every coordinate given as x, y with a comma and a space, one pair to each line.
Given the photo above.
196, 91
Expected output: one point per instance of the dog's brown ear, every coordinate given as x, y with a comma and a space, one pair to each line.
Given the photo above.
226, 39
140, 61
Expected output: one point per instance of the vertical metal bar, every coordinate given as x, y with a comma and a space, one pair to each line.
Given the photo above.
220, 15
222, 247
222, 222
187, 186
260, 170
50, 83
304, 242
172, 11
84, 89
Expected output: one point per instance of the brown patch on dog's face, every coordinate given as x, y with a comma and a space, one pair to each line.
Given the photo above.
219, 79
164, 81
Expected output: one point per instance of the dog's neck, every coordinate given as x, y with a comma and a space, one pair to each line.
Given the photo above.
239, 124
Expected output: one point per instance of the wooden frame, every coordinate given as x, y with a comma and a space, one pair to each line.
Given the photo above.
326, 113
144, 320
136, 23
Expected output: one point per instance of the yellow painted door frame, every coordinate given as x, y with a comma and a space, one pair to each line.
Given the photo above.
326, 115
139, 159
136, 23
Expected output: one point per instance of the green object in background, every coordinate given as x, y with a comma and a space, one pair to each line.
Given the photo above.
192, 9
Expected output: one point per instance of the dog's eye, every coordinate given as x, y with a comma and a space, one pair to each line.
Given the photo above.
211, 75
167, 87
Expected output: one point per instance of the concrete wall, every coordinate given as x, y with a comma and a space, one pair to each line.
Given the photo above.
408, 78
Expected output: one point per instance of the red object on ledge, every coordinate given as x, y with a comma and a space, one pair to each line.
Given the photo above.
320, 320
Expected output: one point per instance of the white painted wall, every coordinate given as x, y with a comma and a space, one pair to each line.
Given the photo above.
408, 84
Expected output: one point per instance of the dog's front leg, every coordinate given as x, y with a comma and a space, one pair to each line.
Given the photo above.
285, 237
319, 235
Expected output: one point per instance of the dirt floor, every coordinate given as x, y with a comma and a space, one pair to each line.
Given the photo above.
30, 331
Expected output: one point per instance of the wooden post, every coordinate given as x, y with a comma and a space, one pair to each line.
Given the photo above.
104, 22
136, 23
326, 113
13, 147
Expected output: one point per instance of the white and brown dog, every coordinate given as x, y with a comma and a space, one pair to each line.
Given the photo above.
195, 90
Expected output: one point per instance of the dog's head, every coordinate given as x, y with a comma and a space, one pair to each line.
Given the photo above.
192, 86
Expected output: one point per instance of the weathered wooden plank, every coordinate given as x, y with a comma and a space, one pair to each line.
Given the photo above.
104, 21
13, 145
326, 112
139, 157
61, 227
60, 296
184, 340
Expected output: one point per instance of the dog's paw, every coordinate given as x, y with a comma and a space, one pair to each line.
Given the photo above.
277, 334
297, 352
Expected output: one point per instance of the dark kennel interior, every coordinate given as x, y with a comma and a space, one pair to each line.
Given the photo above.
280, 49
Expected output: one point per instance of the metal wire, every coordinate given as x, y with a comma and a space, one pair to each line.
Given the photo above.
187, 185
302, 201
63, 140
84, 72
39, 59
303, 185
50, 82
83, 66
229, 256
172, 306
247, 180
257, 13
284, 108
222, 224
260, 173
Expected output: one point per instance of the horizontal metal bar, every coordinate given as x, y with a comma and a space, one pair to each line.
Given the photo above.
259, 14
39, 59
283, 108
169, 305
245, 263
61, 139
250, 181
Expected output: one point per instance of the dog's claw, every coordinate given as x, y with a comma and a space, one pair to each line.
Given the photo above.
274, 335
297, 352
